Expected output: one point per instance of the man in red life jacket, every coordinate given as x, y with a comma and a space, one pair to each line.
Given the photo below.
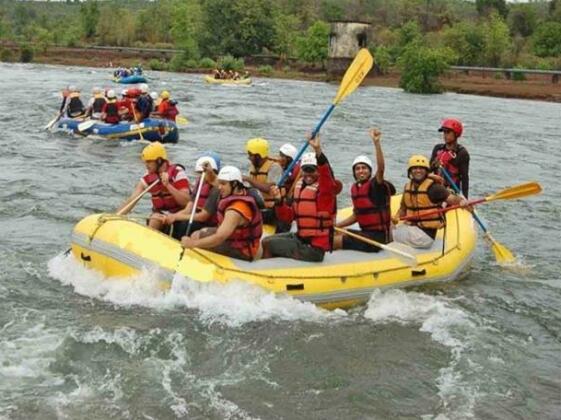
371, 196
110, 110
313, 207
451, 155
240, 225
207, 204
170, 194
421, 196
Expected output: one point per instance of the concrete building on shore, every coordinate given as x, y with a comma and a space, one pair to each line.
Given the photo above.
345, 39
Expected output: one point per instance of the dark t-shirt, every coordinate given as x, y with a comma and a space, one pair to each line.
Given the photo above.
211, 204
461, 161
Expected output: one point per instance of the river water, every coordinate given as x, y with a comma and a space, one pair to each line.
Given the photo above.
72, 346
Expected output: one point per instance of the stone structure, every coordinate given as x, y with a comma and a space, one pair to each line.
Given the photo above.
345, 39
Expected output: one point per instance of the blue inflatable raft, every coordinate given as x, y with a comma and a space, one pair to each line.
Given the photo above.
135, 78
152, 129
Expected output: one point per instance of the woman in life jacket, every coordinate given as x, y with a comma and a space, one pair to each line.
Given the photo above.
75, 108
451, 156
170, 192
371, 196
421, 196
313, 208
96, 104
240, 225
206, 205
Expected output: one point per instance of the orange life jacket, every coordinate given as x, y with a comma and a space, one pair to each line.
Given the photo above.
417, 203
311, 222
245, 238
261, 175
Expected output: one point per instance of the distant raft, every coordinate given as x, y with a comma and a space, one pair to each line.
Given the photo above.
152, 129
212, 80
121, 248
135, 78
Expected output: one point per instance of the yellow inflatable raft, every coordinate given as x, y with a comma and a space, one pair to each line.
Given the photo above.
212, 80
119, 247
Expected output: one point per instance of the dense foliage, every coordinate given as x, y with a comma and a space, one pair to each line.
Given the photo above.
481, 32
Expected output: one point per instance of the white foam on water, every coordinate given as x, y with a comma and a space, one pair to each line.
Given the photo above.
233, 304
447, 325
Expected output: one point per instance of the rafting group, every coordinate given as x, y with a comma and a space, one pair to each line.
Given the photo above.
221, 74
122, 72
134, 104
225, 210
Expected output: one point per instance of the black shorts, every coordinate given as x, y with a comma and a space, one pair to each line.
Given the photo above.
358, 245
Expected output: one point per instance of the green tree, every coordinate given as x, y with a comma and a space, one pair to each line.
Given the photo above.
186, 26
467, 40
522, 19
547, 40
312, 48
89, 15
497, 40
487, 7
286, 35
410, 32
333, 10
421, 66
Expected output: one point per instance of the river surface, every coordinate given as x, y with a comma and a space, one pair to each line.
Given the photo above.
75, 347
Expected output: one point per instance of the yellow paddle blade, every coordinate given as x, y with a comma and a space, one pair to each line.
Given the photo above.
181, 120
518, 191
354, 75
501, 252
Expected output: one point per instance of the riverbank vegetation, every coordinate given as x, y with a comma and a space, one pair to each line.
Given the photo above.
420, 37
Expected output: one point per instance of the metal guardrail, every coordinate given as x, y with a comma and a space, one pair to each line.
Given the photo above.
510, 71
134, 49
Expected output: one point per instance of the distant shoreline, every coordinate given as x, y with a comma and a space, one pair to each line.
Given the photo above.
534, 88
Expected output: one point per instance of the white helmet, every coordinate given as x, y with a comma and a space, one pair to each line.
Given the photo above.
309, 159
230, 173
124, 92
205, 159
362, 159
154, 95
96, 90
288, 150
143, 88
111, 93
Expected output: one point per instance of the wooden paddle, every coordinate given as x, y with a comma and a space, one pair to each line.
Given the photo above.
137, 123
508, 193
53, 121
501, 252
194, 209
354, 75
405, 257
137, 198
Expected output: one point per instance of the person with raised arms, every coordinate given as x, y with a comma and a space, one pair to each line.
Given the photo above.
240, 225
371, 196
314, 207
421, 197
170, 192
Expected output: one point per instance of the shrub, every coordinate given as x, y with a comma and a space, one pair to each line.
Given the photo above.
192, 64
207, 63
155, 64
26, 54
383, 59
6, 55
518, 76
421, 66
547, 40
286, 69
267, 70
312, 47
498, 76
229, 62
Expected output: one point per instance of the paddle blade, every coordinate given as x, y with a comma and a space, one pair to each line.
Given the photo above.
403, 253
354, 75
503, 256
86, 125
518, 191
181, 120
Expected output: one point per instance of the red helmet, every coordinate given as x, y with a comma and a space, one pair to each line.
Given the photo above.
452, 124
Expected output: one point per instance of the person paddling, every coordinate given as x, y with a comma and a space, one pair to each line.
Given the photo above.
451, 155
75, 107
240, 225
371, 196
421, 196
96, 104
170, 194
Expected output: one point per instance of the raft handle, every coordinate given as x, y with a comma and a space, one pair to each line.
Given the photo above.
295, 286
418, 272
85, 257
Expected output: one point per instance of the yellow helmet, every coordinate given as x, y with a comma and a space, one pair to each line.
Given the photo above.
154, 151
418, 161
165, 94
258, 146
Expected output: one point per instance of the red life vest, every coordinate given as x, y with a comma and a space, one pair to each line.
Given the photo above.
446, 158
369, 215
162, 200
244, 238
111, 112
312, 224
203, 196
